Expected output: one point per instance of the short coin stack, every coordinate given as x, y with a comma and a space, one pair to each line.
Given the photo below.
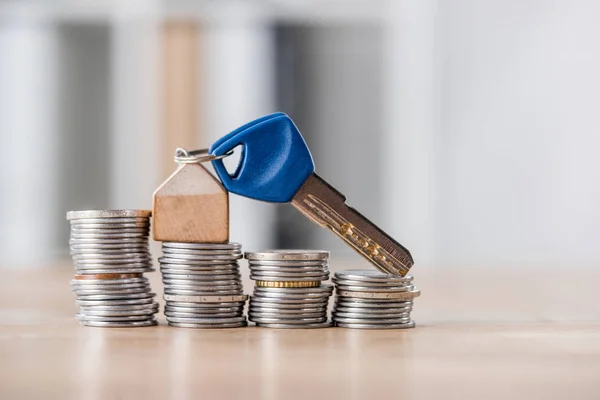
289, 292
110, 254
203, 287
373, 300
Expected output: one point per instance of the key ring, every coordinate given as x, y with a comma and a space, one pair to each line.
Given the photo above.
182, 156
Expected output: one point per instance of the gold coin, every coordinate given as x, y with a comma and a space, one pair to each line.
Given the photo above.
288, 284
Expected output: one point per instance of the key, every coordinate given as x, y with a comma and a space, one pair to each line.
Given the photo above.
276, 166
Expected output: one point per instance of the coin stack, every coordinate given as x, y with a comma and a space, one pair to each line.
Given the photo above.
110, 254
289, 292
373, 300
203, 286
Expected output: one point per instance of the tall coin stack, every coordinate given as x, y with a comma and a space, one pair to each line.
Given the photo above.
110, 254
373, 300
203, 286
289, 292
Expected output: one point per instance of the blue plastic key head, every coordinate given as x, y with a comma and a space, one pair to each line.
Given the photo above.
274, 162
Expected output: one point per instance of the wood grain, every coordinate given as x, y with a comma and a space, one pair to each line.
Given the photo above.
484, 333
191, 206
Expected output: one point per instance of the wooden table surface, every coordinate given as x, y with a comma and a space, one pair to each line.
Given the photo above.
486, 333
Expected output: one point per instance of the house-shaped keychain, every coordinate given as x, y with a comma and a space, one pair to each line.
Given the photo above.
191, 206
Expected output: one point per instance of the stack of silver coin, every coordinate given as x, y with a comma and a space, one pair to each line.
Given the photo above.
110, 254
203, 286
373, 300
289, 292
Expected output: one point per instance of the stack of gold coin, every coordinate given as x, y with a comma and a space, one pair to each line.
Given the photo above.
110, 254
289, 292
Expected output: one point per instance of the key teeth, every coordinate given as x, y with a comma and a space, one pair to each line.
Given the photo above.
319, 212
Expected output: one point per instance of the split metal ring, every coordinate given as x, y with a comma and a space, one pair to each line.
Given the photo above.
182, 156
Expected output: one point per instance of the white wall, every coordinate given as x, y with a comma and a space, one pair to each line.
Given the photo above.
518, 171
29, 169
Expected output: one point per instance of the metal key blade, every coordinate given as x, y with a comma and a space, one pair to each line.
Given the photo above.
324, 205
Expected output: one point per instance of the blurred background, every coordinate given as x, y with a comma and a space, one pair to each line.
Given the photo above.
468, 130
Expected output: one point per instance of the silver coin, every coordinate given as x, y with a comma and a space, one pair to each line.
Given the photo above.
180, 292
300, 274
216, 269
277, 310
372, 311
133, 296
269, 278
87, 317
103, 265
201, 283
284, 270
202, 246
288, 300
106, 238
117, 282
114, 303
286, 316
102, 214
100, 271
369, 295
124, 225
295, 272
179, 263
208, 326
119, 324
110, 228
193, 320
288, 264
202, 291
108, 221
91, 292
119, 313
121, 308
294, 326
112, 255
202, 278
210, 316
204, 288
87, 229
106, 241
372, 321
185, 258
295, 255
205, 299
358, 302
371, 276
199, 272
91, 247
407, 325
371, 284
167, 251
287, 306
95, 262
204, 310
298, 321
110, 288
116, 250
373, 289
212, 305
324, 288
360, 315
114, 260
